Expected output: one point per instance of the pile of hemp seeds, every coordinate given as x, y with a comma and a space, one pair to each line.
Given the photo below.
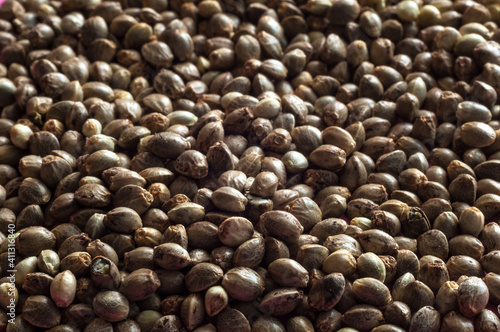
249, 165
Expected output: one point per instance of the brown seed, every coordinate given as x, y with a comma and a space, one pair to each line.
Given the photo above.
77, 262
235, 230
104, 273
274, 249
477, 134
93, 195
299, 323
433, 242
329, 157
37, 283
457, 322
333, 206
63, 289
140, 284
311, 256
446, 297
426, 319
157, 53
243, 284
122, 220
472, 296
229, 199
111, 306
192, 313
34, 191
281, 225
414, 222
326, 292
397, 313
378, 242
281, 301
434, 274
489, 236
184, 213
230, 319
466, 245
264, 185
171, 256
386, 221
216, 300
363, 317
32, 307
32, 240
289, 273
463, 265
354, 174
203, 276
371, 291
370, 265
417, 295
389, 182
193, 164
343, 241
486, 321
176, 234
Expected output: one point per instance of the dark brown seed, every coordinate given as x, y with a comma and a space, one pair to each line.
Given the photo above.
463, 265
397, 313
93, 195
486, 321
426, 319
434, 274
243, 284
230, 319
326, 292
433, 242
417, 295
140, 284
32, 307
281, 301
414, 222
281, 225
363, 317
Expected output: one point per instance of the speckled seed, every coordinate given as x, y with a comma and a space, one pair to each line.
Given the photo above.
370, 265
446, 297
235, 230
63, 289
341, 261
216, 300
229, 199
171, 256
417, 295
288, 272
281, 301
425, 319
281, 225
371, 291
400, 284
477, 134
111, 306
472, 296
243, 284
327, 291
328, 157
363, 317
